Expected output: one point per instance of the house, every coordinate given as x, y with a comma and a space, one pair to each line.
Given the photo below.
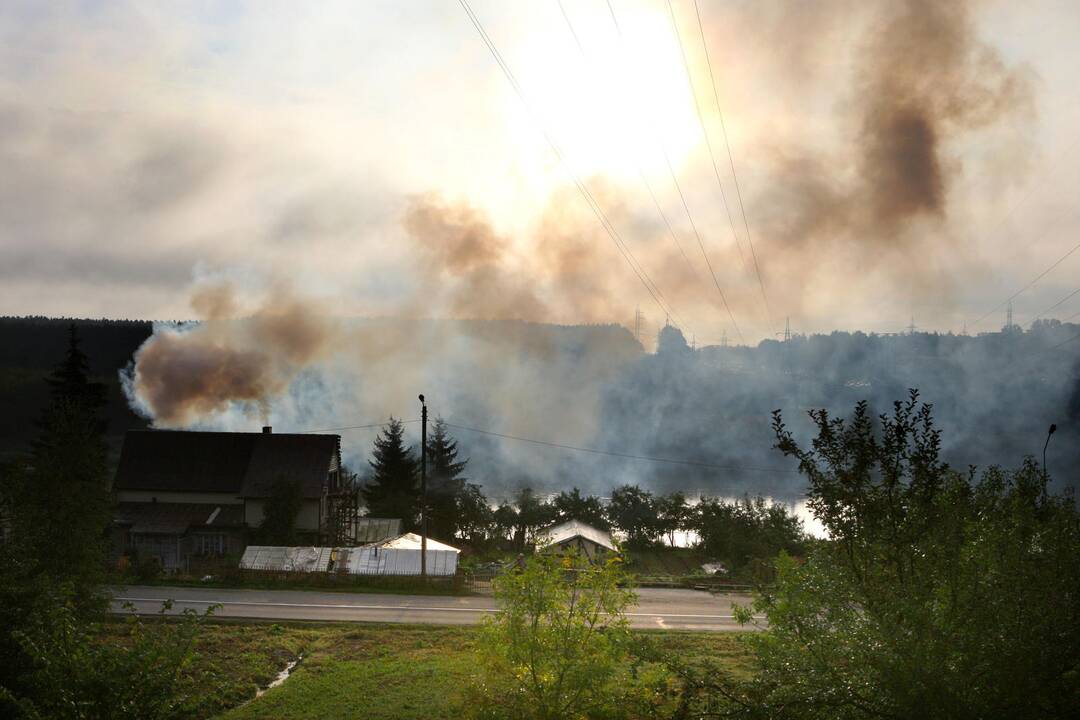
183, 494
574, 534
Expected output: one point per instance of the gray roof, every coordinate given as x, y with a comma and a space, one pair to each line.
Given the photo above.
245, 464
373, 530
163, 518
575, 528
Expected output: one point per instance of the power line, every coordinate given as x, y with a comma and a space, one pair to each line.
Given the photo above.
1059, 303
639, 271
354, 427
1038, 277
641, 173
704, 131
682, 198
731, 161
628, 456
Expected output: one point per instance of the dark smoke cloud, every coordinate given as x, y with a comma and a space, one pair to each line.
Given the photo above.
567, 272
181, 375
921, 81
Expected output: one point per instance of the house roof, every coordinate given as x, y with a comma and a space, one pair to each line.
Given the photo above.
245, 464
371, 530
412, 541
177, 518
575, 528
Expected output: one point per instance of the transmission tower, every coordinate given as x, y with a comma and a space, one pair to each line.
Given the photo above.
911, 328
1008, 317
787, 329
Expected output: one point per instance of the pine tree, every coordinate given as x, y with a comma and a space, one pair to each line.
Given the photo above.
446, 486
392, 490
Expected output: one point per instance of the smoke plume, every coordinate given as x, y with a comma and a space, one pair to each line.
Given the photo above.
184, 374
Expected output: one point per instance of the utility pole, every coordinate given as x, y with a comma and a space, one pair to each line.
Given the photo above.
423, 488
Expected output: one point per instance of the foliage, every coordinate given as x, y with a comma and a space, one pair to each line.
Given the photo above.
392, 490
282, 507
558, 647
575, 506
74, 677
58, 509
746, 531
446, 486
524, 518
672, 515
634, 511
938, 595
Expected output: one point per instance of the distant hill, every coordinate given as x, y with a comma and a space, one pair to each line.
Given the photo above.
31, 347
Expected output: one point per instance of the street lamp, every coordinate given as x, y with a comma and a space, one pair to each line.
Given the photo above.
423, 488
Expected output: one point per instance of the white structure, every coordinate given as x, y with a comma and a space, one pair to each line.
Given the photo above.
591, 542
397, 556
286, 559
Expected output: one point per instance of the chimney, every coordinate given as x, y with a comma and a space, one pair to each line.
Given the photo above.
267, 429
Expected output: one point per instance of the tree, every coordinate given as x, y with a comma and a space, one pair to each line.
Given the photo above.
558, 647
672, 515
391, 491
634, 511
531, 515
284, 504
575, 506
475, 518
446, 487
939, 594
747, 532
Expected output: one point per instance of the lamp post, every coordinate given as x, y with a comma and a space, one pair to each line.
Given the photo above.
423, 488
1053, 427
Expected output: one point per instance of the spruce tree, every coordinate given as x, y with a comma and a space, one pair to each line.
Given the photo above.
392, 490
446, 486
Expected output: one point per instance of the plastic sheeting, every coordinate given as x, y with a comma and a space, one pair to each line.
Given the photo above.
396, 561
286, 559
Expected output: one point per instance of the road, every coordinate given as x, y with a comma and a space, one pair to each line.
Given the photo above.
667, 609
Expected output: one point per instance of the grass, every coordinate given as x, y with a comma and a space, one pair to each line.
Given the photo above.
386, 672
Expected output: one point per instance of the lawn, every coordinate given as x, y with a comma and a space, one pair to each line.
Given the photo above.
369, 671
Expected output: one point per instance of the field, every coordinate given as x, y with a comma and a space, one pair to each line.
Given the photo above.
377, 672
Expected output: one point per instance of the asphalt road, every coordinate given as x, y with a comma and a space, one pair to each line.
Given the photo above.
656, 608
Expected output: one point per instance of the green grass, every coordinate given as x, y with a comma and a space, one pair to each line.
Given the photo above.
364, 671
665, 561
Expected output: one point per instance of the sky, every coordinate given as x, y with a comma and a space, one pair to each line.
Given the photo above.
896, 162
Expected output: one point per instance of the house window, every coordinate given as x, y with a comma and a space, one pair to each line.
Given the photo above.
210, 544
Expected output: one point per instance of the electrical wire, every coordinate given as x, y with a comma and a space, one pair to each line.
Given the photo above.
628, 456
641, 173
704, 132
354, 427
731, 162
1038, 277
609, 228
1059, 303
682, 198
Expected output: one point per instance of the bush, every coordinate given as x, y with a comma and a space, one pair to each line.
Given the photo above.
559, 647
937, 595
72, 676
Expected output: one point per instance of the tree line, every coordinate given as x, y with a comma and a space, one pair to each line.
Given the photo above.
736, 531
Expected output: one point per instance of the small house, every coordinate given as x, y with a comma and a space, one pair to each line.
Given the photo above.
588, 541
